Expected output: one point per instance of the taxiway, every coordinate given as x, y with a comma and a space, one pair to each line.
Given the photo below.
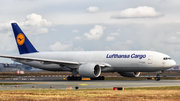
90, 84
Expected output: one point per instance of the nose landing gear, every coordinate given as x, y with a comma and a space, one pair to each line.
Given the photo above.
157, 78
158, 73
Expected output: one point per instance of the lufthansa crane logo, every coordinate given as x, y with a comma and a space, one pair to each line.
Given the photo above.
20, 39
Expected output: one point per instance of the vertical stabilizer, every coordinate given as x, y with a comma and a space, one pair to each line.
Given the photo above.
24, 45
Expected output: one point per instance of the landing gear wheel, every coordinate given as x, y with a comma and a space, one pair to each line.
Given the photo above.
157, 78
98, 78
74, 78
158, 73
102, 78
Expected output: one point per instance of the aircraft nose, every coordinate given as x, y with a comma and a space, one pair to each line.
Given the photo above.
173, 63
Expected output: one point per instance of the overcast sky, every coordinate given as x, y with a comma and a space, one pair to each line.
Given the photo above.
88, 25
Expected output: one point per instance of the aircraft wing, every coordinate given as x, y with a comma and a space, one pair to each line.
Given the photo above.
50, 61
41, 60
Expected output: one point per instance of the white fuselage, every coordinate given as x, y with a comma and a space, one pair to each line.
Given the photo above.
119, 61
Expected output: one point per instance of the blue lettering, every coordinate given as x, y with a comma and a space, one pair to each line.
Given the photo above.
140, 56
107, 56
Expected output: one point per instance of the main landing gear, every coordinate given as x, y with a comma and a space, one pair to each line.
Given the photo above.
98, 78
76, 78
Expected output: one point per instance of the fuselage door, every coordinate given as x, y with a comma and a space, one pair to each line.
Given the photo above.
150, 59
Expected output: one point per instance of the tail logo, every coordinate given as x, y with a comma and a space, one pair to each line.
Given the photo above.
20, 39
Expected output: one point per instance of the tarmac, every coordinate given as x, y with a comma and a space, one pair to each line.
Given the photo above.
63, 84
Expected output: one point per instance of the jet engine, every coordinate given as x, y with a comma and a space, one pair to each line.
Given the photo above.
129, 74
90, 70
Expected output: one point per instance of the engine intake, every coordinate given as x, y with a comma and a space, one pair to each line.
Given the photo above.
90, 70
129, 74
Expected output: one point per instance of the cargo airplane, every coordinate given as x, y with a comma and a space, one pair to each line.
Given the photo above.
90, 63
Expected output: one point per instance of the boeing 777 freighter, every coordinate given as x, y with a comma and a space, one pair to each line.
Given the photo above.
90, 63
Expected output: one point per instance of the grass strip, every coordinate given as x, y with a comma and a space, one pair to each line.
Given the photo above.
155, 88
129, 94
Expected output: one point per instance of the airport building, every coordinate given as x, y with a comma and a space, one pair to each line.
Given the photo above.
176, 67
9, 67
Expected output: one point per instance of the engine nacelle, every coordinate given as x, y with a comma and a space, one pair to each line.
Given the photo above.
129, 74
90, 70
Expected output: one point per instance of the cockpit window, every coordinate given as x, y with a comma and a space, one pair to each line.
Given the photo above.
166, 58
